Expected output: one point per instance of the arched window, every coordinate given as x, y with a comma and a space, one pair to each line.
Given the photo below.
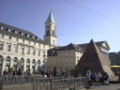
8, 62
28, 64
15, 59
34, 65
15, 63
33, 61
21, 62
1, 45
8, 59
28, 61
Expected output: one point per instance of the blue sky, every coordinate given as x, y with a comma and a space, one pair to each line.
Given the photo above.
77, 20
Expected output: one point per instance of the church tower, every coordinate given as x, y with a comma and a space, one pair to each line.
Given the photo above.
50, 31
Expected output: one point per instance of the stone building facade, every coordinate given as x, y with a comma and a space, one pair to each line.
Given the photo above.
114, 58
67, 57
21, 49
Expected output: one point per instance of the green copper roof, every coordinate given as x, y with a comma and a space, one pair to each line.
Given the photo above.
50, 18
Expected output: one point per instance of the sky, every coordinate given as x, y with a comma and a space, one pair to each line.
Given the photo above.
78, 21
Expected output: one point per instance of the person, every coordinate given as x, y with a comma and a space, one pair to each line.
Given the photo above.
54, 72
19, 72
105, 78
5, 72
88, 75
93, 78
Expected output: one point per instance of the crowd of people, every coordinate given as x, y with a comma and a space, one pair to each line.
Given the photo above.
93, 77
97, 78
44, 73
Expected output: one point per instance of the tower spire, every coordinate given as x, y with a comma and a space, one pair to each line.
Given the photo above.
50, 17
50, 30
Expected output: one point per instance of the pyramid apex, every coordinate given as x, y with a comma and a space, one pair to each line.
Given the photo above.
91, 40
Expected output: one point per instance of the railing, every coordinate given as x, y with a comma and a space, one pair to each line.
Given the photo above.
40, 83
17, 80
59, 84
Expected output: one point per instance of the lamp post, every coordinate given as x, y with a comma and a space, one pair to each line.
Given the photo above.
1, 63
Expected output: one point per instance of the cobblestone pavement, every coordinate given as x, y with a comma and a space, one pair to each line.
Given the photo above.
103, 87
18, 87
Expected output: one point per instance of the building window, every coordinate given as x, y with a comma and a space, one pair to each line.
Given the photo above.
53, 33
1, 28
15, 64
34, 52
53, 42
48, 32
23, 50
44, 53
39, 52
10, 37
1, 36
48, 27
28, 64
39, 62
9, 48
1, 45
28, 61
28, 51
16, 48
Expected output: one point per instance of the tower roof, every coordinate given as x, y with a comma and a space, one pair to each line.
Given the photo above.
50, 18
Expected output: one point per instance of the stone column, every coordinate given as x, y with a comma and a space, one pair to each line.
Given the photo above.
31, 70
11, 63
36, 65
24, 66
3, 65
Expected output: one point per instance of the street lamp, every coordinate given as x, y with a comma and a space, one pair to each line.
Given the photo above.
1, 62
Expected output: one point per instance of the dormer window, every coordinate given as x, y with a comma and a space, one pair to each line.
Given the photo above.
37, 38
33, 37
1, 28
15, 31
28, 35
22, 33
9, 30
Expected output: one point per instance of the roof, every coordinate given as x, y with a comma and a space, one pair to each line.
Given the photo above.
71, 46
50, 18
99, 43
14, 31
